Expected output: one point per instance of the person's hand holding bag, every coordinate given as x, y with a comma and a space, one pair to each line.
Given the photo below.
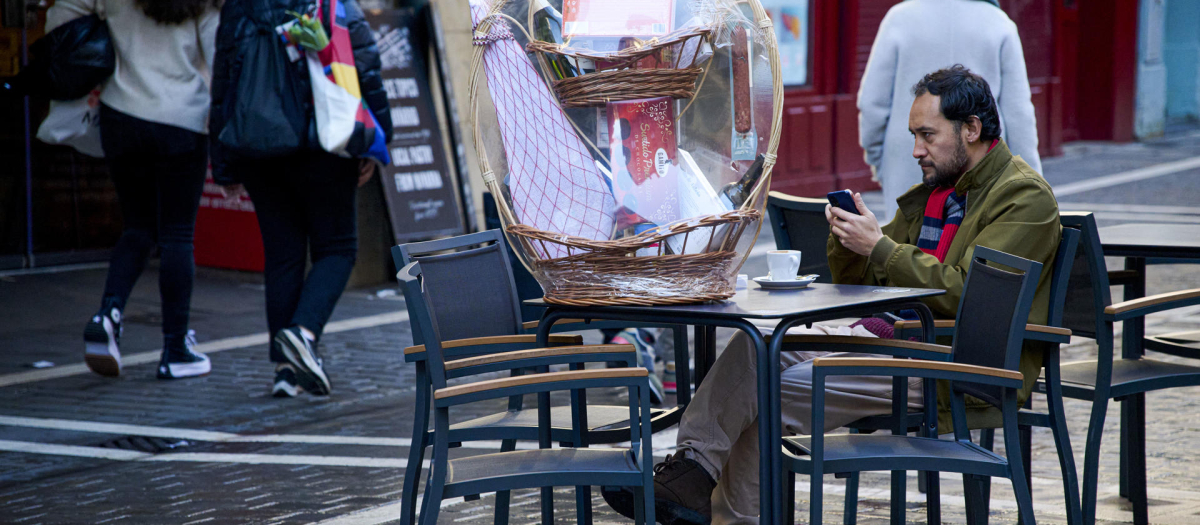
366, 168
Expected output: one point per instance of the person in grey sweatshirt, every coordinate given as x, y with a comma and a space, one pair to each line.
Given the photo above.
919, 36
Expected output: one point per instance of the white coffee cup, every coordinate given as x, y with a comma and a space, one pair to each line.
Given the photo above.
783, 264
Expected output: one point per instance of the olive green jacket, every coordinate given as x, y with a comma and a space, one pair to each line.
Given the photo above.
1010, 208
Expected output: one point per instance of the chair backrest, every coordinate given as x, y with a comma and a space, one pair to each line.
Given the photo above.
1064, 260
420, 308
527, 285
992, 314
471, 280
799, 224
1087, 292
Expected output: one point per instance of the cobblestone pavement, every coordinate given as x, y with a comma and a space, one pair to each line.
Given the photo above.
78, 448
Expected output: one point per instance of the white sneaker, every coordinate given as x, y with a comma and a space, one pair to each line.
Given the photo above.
177, 363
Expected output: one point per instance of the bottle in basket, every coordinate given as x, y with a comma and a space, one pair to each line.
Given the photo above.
735, 193
547, 26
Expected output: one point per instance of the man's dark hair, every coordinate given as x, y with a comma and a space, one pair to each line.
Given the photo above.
172, 12
964, 94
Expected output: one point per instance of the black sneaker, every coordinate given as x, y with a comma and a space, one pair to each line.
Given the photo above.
286, 382
299, 351
102, 340
178, 363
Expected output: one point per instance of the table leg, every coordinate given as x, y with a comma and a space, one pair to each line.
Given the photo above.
774, 371
549, 316
1134, 329
1133, 454
1131, 339
769, 442
706, 350
683, 371
933, 492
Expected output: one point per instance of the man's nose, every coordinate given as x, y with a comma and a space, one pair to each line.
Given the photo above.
918, 150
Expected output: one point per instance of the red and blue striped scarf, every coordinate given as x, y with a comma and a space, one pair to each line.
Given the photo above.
943, 215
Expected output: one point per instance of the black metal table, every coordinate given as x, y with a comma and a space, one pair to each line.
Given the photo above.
816, 303
1142, 245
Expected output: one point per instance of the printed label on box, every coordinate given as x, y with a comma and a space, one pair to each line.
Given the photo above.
642, 149
617, 17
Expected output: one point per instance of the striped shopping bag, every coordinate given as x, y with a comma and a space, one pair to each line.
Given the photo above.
345, 125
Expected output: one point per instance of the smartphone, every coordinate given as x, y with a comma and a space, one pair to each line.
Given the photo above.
843, 199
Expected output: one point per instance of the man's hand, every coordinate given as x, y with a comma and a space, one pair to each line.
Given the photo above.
366, 168
858, 233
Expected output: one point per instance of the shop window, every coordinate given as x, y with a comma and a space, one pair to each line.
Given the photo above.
793, 31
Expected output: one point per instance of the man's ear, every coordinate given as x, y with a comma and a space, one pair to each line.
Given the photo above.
972, 129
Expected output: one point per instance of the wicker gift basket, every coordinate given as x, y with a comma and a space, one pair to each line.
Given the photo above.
638, 141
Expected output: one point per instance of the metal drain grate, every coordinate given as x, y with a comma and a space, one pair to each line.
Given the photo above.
152, 445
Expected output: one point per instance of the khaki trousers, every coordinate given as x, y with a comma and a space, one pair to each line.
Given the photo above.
719, 429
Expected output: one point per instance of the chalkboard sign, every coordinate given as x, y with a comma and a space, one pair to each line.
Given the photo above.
419, 185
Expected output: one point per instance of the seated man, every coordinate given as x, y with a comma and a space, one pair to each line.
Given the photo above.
974, 192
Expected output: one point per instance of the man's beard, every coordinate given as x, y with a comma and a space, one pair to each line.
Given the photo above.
947, 174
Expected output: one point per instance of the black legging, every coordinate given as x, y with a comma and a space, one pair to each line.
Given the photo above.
158, 171
305, 206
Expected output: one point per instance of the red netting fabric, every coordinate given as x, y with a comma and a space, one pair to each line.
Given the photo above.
554, 184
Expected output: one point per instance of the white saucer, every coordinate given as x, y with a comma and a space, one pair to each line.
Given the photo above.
795, 284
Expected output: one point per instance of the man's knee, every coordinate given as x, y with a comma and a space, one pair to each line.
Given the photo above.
739, 349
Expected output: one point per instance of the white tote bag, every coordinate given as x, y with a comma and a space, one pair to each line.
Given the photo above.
335, 109
74, 123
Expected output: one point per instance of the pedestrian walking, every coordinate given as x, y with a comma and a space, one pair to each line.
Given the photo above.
304, 197
918, 36
154, 118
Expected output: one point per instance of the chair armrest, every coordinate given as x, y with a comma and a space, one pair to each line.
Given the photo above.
928, 369
410, 353
1155, 303
1036, 332
543, 356
546, 382
871, 345
1053, 334
777, 195
916, 325
532, 326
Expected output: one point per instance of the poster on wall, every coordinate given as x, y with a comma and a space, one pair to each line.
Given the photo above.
419, 185
792, 33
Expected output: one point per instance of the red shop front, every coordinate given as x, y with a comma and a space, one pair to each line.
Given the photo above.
1080, 57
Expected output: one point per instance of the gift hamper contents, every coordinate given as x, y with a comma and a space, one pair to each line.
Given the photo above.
638, 141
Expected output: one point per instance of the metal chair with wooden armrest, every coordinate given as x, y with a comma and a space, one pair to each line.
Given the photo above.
983, 363
477, 307
545, 467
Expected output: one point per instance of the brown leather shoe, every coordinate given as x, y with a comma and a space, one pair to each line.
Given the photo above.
682, 493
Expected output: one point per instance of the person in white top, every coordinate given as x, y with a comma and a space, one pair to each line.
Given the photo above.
918, 36
153, 127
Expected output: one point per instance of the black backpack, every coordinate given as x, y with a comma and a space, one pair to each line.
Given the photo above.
266, 114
